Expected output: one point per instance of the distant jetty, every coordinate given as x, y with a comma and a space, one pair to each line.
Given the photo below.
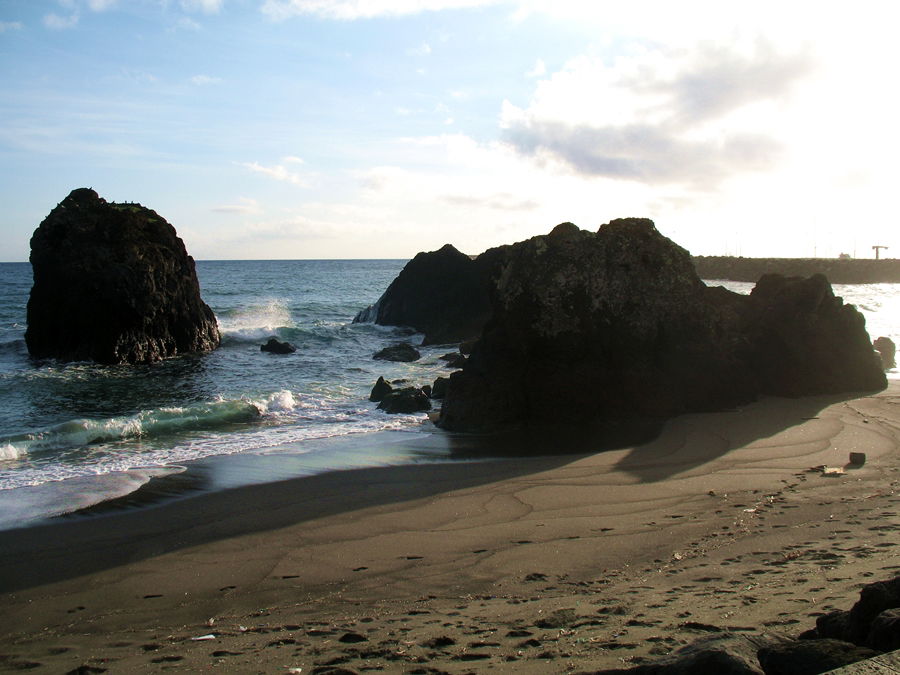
837, 270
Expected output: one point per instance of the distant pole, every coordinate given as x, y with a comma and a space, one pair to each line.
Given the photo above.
878, 250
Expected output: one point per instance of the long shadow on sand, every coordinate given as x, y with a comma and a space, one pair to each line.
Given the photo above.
186, 510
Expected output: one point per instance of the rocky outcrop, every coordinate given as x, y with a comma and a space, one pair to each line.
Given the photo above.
113, 284
617, 325
442, 294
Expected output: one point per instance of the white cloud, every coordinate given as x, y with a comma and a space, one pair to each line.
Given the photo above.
363, 9
6, 26
101, 5
205, 6
423, 49
244, 206
293, 159
56, 22
661, 115
278, 172
540, 69
203, 80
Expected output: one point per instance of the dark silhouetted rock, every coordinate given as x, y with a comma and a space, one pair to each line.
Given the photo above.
873, 600
887, 350
454, 360
380, 390
723, 654
833, 625
810, 657
273, 346
616, 325
113, 284
884, 632
439, 388
803, 340
399, 352
408, 400
441, 294
599, 326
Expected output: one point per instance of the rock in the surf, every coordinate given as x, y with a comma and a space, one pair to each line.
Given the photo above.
407, 400
113, 283
441, 293
275, 346
403, 352
380, 390
887, 350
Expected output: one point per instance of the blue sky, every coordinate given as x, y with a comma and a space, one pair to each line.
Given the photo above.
379, 128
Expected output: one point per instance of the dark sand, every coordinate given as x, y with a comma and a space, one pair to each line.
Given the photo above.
532, 565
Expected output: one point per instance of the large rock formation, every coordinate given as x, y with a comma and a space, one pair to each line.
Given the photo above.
442, 294
616, 325
113, 284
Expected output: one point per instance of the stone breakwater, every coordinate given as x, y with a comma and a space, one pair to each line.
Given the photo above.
838, 271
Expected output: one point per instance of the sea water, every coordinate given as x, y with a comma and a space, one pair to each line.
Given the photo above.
73, 435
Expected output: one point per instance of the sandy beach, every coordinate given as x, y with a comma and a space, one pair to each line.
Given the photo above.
533, 565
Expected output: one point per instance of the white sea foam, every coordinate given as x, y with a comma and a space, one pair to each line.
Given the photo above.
257, 321
8, 451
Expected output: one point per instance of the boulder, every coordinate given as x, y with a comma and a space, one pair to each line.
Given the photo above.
439, 388
616, 326
874, 599
723, 654
114, 284
833, 625
887, 350
803, 340
884, 632
811, 657
408, 400
454, 360
380, 390
273, 346
442, 294
399, 352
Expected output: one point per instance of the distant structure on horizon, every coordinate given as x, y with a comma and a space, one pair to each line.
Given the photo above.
877, 250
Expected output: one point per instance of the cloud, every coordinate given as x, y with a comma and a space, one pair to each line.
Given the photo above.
363, 9
56, 22
423, 49
502, 201
694, 117
205, 6
540, 69
293, 159
6, 26
278, 172
203, 80
244, 206
101, 5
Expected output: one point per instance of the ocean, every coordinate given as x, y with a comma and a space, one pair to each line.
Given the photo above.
80, 434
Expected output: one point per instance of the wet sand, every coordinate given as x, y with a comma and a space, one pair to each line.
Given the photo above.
532, 565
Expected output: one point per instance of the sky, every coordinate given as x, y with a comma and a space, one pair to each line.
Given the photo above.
299, 129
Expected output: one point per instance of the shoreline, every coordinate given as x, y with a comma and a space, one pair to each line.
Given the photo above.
597, 557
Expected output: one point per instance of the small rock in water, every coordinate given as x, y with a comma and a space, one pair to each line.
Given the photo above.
400, 352
273, 346
407, 400
857, 458
380, 390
